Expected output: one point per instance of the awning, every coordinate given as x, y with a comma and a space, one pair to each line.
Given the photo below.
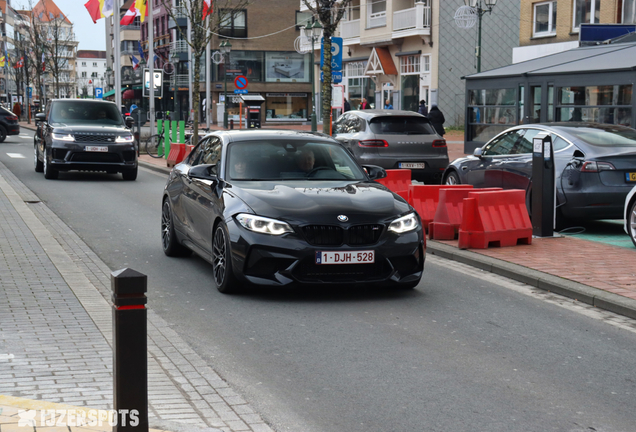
380, 63
112, 92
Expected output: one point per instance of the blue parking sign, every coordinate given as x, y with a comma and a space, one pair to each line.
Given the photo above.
336, 53
99, 93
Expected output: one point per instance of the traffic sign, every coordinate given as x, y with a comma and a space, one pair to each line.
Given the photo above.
239, 91
336, 77
99, 93
240, 82
336, 53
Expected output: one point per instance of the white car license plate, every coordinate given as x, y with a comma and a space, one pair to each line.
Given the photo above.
412, 165
96, 149
353, 257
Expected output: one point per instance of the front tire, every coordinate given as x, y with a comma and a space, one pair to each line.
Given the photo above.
130, 175
50, 173
452, 179
39, 166
169, 242
224, 278
631, 222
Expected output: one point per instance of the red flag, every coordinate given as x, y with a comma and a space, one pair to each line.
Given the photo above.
130, 16
207, 8
94, 9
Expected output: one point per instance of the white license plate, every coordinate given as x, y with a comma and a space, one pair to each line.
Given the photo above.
412, 165
353, 257
96, 149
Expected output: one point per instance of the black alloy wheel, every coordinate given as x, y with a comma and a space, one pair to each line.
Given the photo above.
224, 278
171, 246
452, 179
50, 173
39, 166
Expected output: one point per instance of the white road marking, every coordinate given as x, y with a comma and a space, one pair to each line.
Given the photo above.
607, 317
16, 155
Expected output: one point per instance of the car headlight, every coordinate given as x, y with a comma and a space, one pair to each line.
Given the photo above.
404, 224
263, 225
63, 137
124, 139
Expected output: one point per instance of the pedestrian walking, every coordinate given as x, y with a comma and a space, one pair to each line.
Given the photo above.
423, 109
347, 106
364, 104
437, 119
387, 104
17, 110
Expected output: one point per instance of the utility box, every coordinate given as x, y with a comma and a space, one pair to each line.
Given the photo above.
253, 103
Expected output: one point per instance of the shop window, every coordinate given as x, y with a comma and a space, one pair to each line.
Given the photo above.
603, 104
247, 63
233, 23
492, 111
585, 11
286, 106
545, 19
286, 67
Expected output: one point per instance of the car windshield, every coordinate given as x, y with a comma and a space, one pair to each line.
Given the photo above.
79, 112
291, 160
605, 135
396, 125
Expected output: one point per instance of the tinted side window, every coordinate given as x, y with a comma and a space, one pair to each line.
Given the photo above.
524, 144
195, 154
212, 152
501, 145
559, 143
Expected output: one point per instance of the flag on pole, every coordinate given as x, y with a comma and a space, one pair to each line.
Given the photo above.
19, 64
99, 9
141, 51
207, 8
2, 61
135, 62
140, 5
130, 15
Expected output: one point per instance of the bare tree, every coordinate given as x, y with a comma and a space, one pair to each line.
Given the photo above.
60, 48
329, 13
200, 35
39, 48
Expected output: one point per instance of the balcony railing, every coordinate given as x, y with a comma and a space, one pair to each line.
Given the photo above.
180, 80
350, 29
377, 19
179, 46
418, 17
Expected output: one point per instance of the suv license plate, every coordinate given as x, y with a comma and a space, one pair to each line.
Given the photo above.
354, 257
630, 177
412, 165
96, 149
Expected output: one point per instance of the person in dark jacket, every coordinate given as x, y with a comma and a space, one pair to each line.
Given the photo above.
437, 120
347, 106
423, 109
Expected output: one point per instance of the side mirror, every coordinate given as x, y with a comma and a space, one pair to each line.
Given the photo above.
374, 172
40, 117
478, 152
129, 122
203, 172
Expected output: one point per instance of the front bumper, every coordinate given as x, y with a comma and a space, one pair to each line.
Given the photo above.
290, 260
73, 156
432, 172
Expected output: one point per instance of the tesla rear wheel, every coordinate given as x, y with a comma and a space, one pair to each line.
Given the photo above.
39, 166
49, 172
169, 242
452, 179
224, 278
631, 222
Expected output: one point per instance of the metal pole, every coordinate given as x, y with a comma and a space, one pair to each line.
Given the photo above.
208, 84
314, 126
225, 80
117, 65
151, 63
480, 13
190, 72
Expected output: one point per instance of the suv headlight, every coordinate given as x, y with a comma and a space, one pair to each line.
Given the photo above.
404, 224
124, 139
62, 137
263, 225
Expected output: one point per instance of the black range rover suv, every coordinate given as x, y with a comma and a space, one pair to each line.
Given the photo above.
86, 135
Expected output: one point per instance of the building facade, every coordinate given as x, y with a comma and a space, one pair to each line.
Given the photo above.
91, 72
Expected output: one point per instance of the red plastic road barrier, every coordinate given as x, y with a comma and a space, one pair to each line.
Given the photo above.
188, 150
495, 218
176, 155
424, 198
448, 216
398, 181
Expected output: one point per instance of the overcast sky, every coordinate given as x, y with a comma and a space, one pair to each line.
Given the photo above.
90, 36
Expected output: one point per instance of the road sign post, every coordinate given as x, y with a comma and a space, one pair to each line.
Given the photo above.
99, 93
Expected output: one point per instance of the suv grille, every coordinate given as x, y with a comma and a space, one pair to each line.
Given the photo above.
96, 157
330, 235
89, 138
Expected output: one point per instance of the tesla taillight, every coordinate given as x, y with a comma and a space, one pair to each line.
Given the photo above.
373, 143
439, 143
593, 166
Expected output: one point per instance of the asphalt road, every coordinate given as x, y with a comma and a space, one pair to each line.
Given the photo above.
465, 351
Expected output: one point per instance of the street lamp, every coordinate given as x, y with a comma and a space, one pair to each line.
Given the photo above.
225, 48
313, 32
175, 60
478, 6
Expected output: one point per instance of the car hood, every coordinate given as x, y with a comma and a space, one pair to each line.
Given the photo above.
322, 202
65, 128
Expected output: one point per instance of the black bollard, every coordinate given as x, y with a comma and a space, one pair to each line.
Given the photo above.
543, 190
232, 124
130, 347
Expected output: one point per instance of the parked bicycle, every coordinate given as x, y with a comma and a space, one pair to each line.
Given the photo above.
155, 145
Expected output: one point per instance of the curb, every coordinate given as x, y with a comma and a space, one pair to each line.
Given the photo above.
153, 167
567, 288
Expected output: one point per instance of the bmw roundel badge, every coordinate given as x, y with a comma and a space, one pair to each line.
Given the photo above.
343, 218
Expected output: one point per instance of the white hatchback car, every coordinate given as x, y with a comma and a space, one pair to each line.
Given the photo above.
630, 214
